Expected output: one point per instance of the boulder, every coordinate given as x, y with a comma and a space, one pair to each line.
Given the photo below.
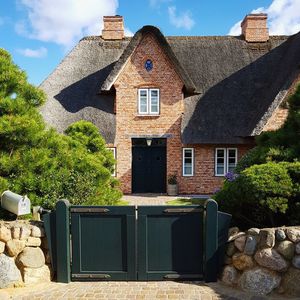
230, 250
33, 241
31, 258
290, 282
235, 236
253, 231
286, 249
230, 275
250, 245
240, 243
37, 231
36, 275
271, 259
14, 247
293, 234
2, 247
242, 261
267, 238
15, 231
259, 281
10, 275
5, 234
296, 262
297, 249
25, 232
280, 235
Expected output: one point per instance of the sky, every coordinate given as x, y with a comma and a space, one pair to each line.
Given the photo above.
40, 33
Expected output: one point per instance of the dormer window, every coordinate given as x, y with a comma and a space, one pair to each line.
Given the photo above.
148, 102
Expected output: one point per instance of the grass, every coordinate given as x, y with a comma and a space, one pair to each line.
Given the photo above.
121, 202
185, 201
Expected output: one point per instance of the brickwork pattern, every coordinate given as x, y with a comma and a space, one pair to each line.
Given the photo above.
254, 28
113, 28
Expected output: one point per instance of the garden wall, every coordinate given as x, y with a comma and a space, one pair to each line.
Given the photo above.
262, 261
24, 255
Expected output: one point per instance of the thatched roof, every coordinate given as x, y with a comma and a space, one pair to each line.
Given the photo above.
240, 83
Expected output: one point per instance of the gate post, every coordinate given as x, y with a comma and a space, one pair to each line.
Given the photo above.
211, 241
63, 241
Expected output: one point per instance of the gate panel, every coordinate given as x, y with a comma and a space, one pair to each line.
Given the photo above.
170, 242
103, 242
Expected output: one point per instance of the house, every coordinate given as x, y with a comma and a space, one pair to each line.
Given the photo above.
185, 105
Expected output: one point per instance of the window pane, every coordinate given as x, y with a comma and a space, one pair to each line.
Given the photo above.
188, 170
154, 101
143, 101
188, 162
231, 160
220, 161
220, 169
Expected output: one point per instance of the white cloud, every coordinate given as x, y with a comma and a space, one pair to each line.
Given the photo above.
157, 3
283, 18
183, 20
34, 53
64, 22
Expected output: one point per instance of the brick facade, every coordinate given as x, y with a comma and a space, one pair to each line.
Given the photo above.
129, 124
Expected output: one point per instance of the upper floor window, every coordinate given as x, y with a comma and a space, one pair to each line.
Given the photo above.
148, 101
225, 160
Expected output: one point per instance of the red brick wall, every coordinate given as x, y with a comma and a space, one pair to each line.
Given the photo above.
254, 28
129, 123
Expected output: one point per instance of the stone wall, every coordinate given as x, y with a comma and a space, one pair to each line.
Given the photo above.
262, 261
24, 256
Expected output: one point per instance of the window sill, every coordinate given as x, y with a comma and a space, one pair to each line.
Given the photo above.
147, 116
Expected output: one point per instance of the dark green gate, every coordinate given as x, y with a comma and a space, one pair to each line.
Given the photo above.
129, 243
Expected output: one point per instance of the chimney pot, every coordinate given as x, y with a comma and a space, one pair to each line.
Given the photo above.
113, 28
254, 28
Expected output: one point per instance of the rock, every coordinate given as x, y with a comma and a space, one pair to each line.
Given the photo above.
37, 231
286, 249
293, 234
14, 247
242, 261
280, 235
290, 282
253, 231
235, 236
267, 238
250, 245
25, 232
5, 234
233, 231
230, 275
296, 262
37, 275
240, 243
15, 231
271, 259
2, 247
230, 249
10, 275
297, 249
32, 258
33, 241
259, 281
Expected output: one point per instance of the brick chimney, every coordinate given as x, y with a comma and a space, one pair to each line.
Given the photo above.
113, 28
254, 28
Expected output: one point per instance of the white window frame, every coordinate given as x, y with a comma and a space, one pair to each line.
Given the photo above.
149, 102
113, 149
183, 162
226, 160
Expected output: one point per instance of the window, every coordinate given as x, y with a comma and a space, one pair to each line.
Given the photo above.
225, 160
148, 101
188, 161
113, 150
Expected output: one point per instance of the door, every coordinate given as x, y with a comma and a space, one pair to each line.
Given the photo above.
149, 166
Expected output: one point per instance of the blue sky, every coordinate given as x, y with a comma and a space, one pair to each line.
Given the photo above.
39, 33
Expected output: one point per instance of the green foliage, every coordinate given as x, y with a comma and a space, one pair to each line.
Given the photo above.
40, 162
263, 195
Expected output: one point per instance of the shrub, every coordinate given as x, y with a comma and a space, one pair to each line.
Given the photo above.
41, 163
261, 195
